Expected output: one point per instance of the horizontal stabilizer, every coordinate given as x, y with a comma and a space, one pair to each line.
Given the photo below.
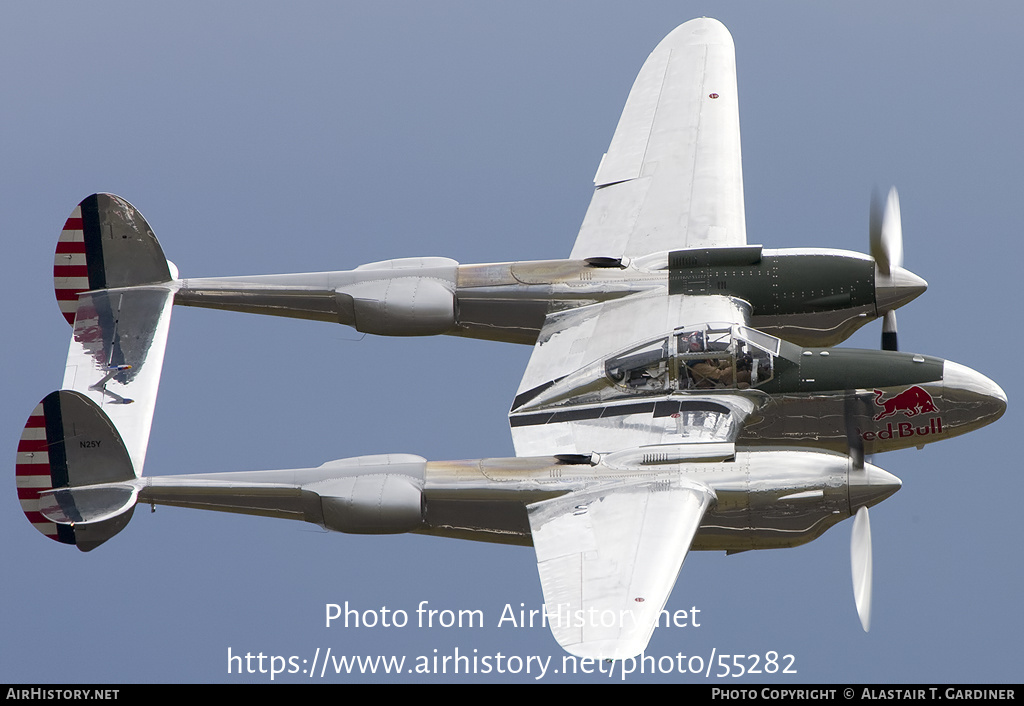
74, 506
68, 442
116, 356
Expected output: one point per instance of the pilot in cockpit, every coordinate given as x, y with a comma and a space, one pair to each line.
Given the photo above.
710, 373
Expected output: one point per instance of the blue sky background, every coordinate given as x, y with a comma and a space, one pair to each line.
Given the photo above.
272, 137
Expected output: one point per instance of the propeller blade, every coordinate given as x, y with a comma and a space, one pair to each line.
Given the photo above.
853, 410
860, 563
889, 332
885, 229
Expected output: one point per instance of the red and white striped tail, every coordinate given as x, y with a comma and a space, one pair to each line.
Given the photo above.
70, 269
106, 243
33, 473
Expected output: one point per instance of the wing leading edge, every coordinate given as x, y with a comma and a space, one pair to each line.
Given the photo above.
672, 177
608, 559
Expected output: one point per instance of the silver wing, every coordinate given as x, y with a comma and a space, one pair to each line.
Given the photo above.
608, 559
672, 177
608, 556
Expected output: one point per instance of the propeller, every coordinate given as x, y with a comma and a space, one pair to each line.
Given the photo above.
860, 563
886, 234
860, 541
889, 342
868, 484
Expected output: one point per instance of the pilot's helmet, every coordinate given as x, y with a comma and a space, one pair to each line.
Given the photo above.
695, 341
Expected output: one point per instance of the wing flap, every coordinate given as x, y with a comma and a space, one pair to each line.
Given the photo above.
608, 559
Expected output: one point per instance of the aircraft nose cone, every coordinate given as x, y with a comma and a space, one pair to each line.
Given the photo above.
871, 486
961, 384
897, 288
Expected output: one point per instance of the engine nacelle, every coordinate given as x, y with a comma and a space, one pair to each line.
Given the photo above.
399, 306
785, 498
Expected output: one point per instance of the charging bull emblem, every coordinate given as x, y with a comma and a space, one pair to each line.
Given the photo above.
911, 402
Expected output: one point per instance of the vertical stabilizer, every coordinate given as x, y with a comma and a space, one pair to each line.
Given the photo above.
105, 244
69, 443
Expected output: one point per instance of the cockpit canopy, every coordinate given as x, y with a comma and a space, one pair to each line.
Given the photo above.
705, 357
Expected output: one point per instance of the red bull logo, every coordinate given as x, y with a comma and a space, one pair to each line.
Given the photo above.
903, 430
911, 402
